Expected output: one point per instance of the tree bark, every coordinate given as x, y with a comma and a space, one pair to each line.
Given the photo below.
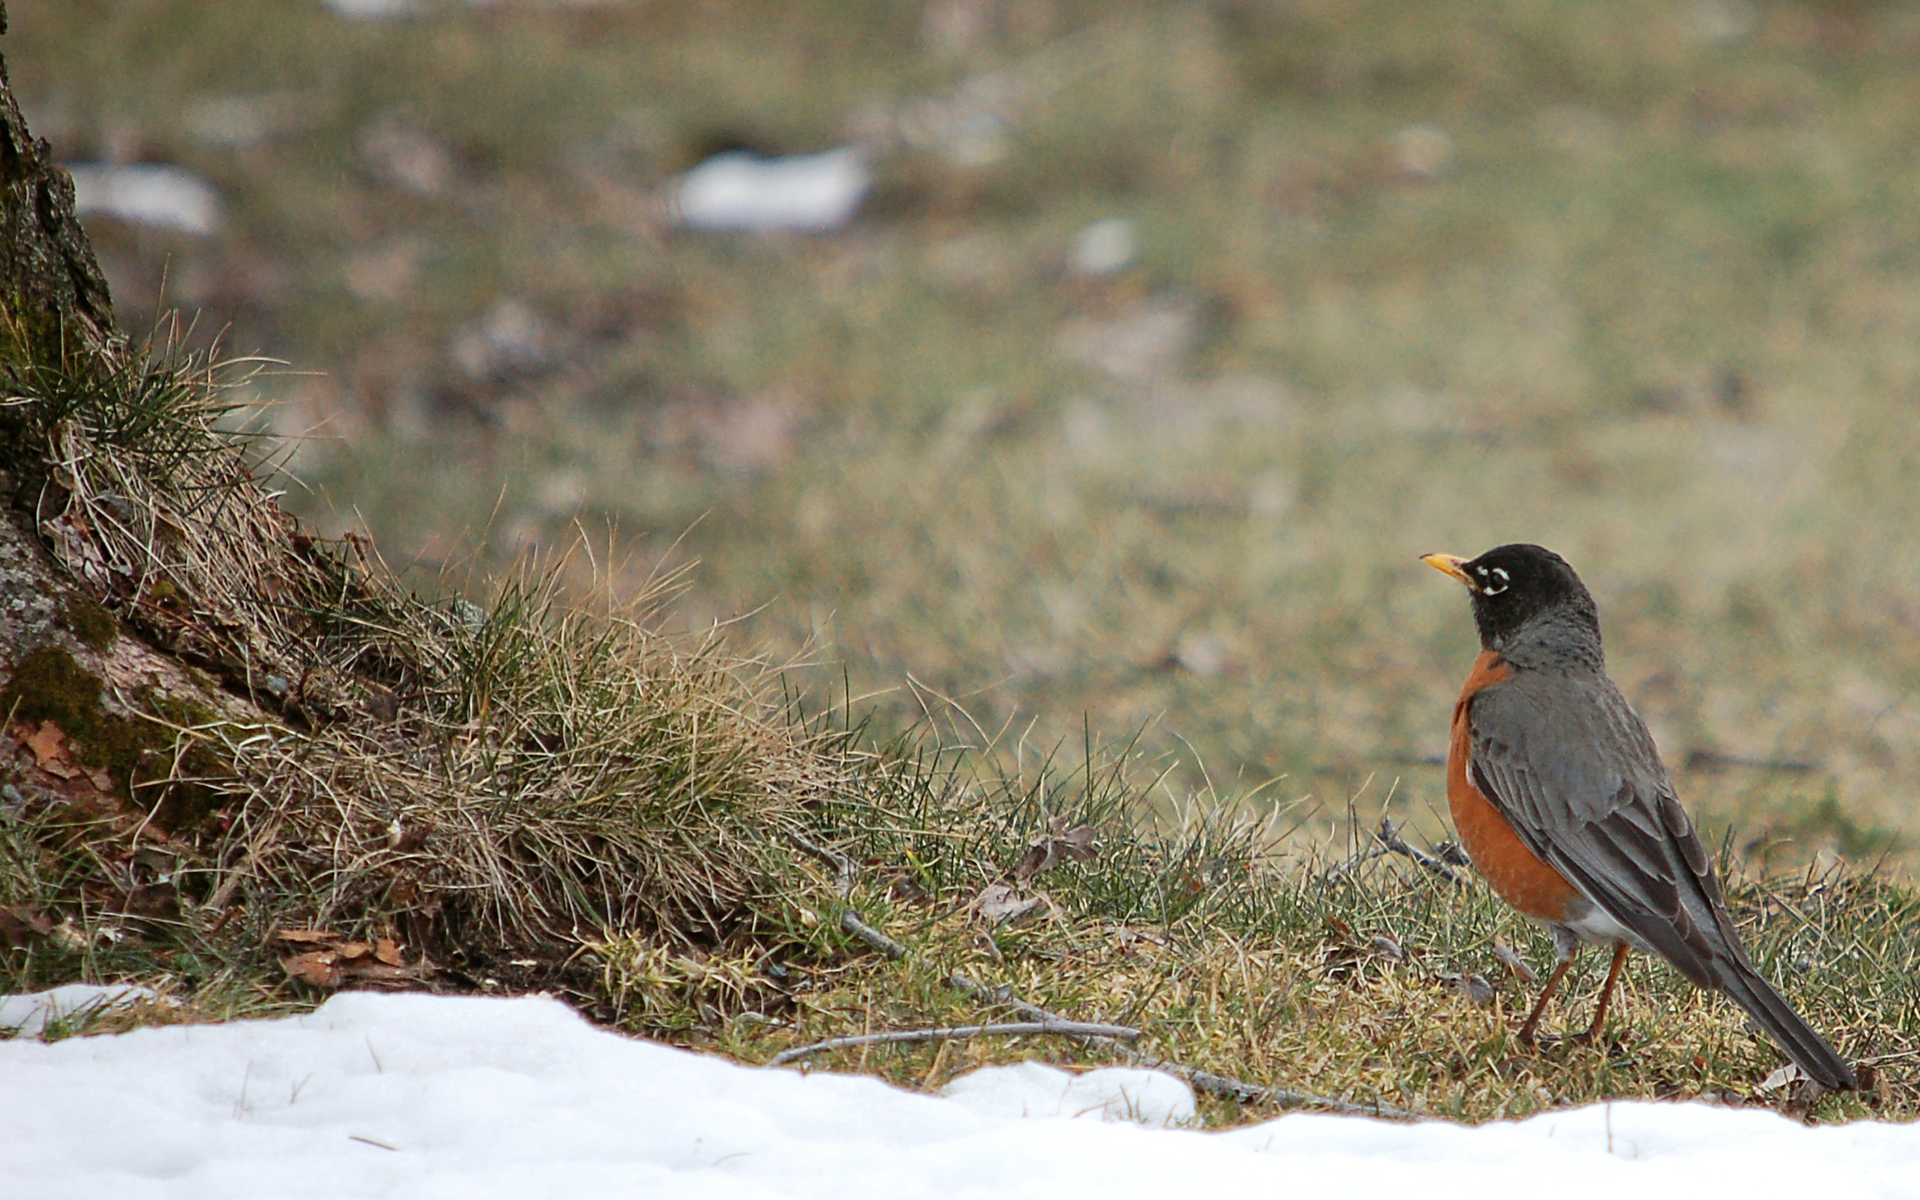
70, 733
54, 304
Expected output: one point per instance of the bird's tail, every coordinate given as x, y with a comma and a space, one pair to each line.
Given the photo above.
1741, 980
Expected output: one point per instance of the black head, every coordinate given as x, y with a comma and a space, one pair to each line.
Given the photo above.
1518, 586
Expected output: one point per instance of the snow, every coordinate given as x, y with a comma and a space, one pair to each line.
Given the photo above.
1034, 1089
475, 1098
156, 194
1105, 247
372, 10
807, 193
28, 1016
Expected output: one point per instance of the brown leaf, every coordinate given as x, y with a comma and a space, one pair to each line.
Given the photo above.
50, 752
350, 951
314, 968
1059, 844
997, 904
374, 972
306, 936
20, 923
387, 951
152, 900
45, 743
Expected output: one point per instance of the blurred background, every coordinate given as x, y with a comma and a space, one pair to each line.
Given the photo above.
1103, 367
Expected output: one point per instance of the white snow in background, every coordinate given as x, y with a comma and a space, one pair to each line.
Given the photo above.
372, 10
741, 192
156, 194
1105, 247
488, 1099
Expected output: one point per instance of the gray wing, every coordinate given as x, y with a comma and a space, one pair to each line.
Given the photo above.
1573, 769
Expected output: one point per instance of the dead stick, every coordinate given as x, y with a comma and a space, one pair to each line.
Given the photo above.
1391, 839
957, 1033
851, 922
1348, 867
832, 858
1206, 1081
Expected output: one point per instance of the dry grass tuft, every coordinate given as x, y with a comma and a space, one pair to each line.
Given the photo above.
569, 776
482, 784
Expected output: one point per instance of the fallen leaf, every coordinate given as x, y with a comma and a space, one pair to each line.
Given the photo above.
1784, 1077
350, 951
1059, 844
1474, 989
20, 923
314, 968
152, 900
373, 972
997, 904
307, 936
387, 951
45, 743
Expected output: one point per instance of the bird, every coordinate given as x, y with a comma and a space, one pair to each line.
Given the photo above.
1560, 799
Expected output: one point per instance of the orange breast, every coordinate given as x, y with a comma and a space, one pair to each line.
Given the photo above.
1530, 885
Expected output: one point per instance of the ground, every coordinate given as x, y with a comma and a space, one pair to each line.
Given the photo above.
1635, 282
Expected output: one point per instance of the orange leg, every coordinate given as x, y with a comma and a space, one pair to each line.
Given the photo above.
1606, 994
1546, 994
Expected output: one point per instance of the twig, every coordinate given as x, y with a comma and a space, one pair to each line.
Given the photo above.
1337, 873
851, 922
1060, 1025
1206, 1081
1391, 839
1514, 962
832, 858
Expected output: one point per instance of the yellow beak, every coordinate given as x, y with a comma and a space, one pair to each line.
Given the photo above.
1452, 564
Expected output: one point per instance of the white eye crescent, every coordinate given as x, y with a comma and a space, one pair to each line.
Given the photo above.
1492, 589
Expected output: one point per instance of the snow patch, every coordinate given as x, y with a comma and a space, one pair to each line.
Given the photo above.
28, 1016
494, 1099
805, 193
155, 194
1032, 1089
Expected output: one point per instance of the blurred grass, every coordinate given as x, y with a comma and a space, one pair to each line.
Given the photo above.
1636, 281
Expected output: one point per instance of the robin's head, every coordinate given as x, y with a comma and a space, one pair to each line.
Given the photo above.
1520, 585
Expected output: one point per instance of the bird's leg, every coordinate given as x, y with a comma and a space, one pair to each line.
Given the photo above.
1566, 944
1606, 993
1546, 994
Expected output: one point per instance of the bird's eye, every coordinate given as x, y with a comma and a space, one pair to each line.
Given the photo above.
1493, 589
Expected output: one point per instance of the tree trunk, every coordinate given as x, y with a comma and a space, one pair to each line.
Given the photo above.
54, 303
73, 741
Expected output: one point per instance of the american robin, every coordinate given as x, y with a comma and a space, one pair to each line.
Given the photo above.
1561, 801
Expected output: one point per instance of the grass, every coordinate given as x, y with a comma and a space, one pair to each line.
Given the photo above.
483, 788
1654, 311
1237, 958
